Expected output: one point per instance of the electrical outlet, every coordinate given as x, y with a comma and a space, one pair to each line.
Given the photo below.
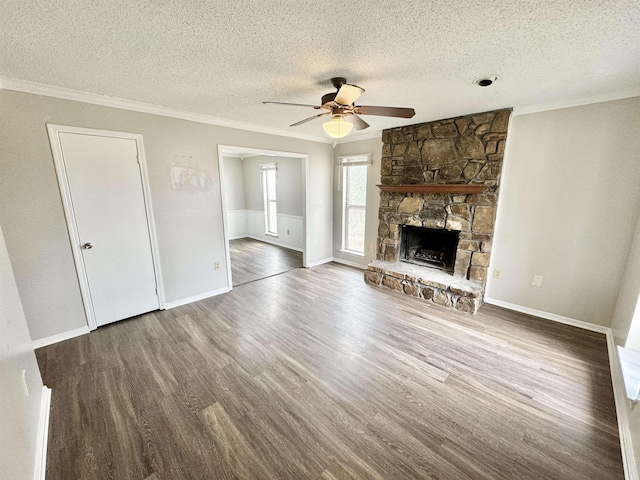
24, 383
368, 248
217, 265
537, 281
497, 273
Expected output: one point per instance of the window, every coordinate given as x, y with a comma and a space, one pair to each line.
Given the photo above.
354, 201
268, 174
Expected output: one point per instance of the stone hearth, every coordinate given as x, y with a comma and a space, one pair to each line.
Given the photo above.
426, 283
464, 150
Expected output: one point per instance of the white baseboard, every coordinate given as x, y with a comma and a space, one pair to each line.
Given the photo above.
60, 337
319, 262
349, 263
272, 242
43, 435
619, 392
195, 298
548, 316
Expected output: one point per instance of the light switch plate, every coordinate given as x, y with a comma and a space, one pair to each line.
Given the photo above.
537, 281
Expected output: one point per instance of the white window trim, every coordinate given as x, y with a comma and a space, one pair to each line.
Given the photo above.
344, 163
268, 228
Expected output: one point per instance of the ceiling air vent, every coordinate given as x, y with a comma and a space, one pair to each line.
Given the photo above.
486, 80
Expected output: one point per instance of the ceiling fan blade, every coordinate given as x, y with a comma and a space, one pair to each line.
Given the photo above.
309, 119
294, 104
385, 111
357, 122
348, 94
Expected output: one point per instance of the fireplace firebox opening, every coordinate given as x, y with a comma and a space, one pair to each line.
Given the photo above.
431, 247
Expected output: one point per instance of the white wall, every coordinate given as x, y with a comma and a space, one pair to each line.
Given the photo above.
370, 146
19, 414
189, 223
634, 426
568, 209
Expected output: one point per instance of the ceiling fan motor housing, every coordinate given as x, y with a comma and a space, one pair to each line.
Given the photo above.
338, 82
329, 98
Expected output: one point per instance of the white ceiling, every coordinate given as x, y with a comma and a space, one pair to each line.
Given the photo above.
223, 58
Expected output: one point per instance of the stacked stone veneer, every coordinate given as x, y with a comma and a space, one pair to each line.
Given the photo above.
461, 150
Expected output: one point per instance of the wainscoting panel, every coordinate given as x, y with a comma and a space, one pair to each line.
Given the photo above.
237, 222
290, 233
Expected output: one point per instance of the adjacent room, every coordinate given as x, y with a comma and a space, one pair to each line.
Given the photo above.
288, 240
264, 203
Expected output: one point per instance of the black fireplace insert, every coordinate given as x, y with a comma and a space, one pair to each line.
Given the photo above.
431, 247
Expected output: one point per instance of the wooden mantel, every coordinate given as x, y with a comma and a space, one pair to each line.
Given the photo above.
461, 188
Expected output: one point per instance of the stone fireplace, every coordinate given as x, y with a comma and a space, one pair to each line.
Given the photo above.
439, 190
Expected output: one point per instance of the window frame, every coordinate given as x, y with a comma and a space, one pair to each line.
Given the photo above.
265, 170
345, 165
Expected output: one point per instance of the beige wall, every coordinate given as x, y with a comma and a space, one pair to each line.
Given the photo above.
290, 199
19, 414
189, 224
625, 332
374, 147
234, 183
568, 209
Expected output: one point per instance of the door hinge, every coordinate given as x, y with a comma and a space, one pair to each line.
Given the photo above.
138, 158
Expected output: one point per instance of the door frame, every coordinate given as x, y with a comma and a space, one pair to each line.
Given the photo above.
229, 149
69, 214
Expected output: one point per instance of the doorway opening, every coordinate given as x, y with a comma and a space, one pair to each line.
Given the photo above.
264, 203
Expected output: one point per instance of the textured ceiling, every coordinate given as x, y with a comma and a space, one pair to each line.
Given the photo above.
225, 58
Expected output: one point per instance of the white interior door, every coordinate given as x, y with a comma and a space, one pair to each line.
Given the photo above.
108, 207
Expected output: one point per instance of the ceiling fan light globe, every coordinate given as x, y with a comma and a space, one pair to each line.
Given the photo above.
337, 127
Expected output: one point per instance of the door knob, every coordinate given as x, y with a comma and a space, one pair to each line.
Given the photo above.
87, 246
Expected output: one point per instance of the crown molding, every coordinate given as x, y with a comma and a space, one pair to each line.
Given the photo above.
35, 88
577, 102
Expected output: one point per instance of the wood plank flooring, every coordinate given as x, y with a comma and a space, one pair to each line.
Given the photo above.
252, 260
313, 374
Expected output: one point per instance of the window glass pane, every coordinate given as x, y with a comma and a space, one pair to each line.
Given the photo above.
271, 184
357, 185
268, 175
355, 229
273, 218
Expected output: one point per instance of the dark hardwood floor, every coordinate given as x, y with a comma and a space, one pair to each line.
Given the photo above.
252, 260
313, 374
